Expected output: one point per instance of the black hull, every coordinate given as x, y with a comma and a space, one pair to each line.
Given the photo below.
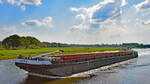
68, 69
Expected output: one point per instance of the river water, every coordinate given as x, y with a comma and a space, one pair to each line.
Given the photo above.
135, 72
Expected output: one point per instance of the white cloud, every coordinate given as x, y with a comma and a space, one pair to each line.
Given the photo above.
109, 33
113, 24
141, 22
23, 3
46, 22
11, 1
31, 23
81, 27
31, 2
23, 7
7, 30
103, 11
80, 16
143, 5
146, 22
10, 30
26, 2
124, 2
0, 1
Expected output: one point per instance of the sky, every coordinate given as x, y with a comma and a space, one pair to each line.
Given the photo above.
77, 21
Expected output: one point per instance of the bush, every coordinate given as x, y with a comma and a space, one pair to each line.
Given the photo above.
1, 48
33, 46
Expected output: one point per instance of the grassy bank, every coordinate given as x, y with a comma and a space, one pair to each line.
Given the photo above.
9, 54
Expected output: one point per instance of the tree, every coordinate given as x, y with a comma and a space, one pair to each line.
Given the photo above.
0, 43
27, 41
33, 40
11, 42
45, 44
24, 42
33, 46
17, 42
1, 48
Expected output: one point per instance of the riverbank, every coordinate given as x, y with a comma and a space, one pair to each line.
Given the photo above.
10, 54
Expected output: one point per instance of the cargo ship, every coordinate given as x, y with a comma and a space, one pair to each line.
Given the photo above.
67, 65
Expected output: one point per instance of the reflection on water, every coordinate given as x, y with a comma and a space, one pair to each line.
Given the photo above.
65, 80
40, 80
135, 72
36, 80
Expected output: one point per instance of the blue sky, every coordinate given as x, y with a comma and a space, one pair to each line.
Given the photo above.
77, 21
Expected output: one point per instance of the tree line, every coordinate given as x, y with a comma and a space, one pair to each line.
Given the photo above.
17, 42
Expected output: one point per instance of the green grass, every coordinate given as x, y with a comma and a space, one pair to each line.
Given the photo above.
10, 54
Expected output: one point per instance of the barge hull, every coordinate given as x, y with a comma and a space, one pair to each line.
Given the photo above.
63, 70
